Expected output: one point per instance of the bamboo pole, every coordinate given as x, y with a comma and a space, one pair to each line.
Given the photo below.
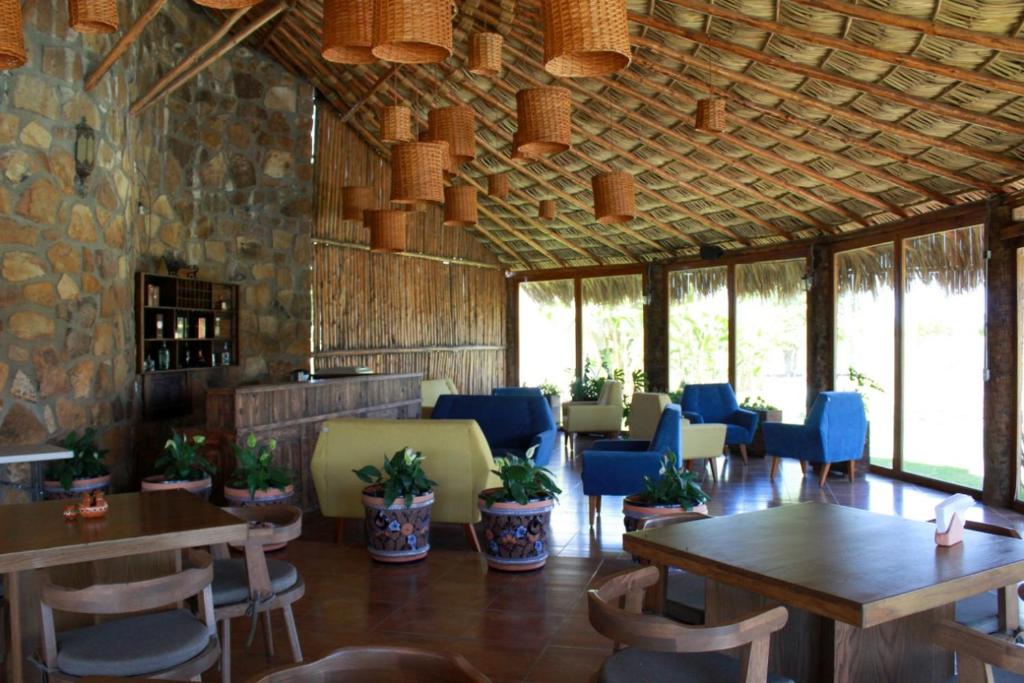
156, 94
123, 43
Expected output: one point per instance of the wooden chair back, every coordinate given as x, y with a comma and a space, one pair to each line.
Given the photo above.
669, 520
268, 525
978, 653
374, 664
615, 607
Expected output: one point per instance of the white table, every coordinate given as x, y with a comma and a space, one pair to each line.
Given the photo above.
36, 456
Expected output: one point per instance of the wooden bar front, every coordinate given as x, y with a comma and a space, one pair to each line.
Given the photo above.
292, 413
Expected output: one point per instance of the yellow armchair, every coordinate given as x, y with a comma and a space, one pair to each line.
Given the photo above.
430, 389
603, 416
703, 442
644, 412
456, 456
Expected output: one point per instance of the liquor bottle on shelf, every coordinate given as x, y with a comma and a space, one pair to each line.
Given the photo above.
148, 365
159, 325
163, 357
200, 360
225, 357
188, 358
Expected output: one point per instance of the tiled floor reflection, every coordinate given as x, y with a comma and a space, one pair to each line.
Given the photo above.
530, 627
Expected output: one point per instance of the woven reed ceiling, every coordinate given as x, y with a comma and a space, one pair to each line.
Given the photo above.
840, 116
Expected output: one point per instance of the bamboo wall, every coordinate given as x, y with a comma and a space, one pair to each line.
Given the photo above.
397, 312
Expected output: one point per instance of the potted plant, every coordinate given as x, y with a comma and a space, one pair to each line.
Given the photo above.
258, 480
398, 531
675, 490
182, 467
83, 472
766, 412
517, 514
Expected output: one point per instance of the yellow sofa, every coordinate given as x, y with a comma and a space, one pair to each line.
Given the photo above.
430, 389
456, 456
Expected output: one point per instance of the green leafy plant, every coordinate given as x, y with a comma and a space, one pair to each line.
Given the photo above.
85, 463
522, 481
256, 469
181, 460
549, 389
402, 477
674, 486
587, 387
757, 403
863, 381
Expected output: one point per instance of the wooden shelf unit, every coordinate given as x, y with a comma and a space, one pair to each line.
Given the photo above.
215, 303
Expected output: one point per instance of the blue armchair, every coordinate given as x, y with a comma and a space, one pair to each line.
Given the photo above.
617, 467
717, 403
834, 431
511, 424
516, 391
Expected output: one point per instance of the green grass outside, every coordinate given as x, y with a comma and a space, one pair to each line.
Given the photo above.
952, 475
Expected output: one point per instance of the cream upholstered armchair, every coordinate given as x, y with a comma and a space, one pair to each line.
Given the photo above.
430, 390
645, 410
703, 442
603, 416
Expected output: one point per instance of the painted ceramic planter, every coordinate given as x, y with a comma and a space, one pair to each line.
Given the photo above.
516, 536
634, 510
200, 487
52, 490
240, 498
397, 533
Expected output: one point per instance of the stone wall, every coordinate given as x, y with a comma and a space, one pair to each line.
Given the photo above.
219, 174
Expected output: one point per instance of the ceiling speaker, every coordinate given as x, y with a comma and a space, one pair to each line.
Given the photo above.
710, 252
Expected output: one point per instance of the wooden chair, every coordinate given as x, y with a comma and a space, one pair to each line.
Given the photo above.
681, 594
253, 586
405, 664
662, 649
981, 658
169, 644
993, 611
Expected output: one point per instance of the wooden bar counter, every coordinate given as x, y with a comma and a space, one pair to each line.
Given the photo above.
293, 413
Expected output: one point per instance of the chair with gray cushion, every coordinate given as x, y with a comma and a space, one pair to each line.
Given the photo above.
172, 643
996, 610
660, 650
980, 658
254, 585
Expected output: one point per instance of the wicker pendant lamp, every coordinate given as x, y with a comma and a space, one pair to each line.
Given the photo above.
546, 209
614, 197
355, 199
12, 35
545, 120
412, 31
498, 185
93, 16
518, 155
396, 123
710, 116
348, 31
460, 206
417, 172
387, 229
585, 37
456, 126
485, 53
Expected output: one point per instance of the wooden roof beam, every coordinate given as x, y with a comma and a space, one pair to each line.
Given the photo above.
980, 79
123, 43
1016, 165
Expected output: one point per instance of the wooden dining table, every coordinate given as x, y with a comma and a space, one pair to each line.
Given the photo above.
148, 529
863, 589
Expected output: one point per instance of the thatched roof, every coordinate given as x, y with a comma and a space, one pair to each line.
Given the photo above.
840, 116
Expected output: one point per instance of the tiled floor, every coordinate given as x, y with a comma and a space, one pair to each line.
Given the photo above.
530, 627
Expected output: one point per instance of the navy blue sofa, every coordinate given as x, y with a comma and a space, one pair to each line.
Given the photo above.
511, 424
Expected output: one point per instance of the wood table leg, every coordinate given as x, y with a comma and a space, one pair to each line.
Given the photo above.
1009, 610
15, 658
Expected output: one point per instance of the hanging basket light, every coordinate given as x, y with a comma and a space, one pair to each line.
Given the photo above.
614, 197
355, 199
348, 31
456, 126
518, 156
12, 35
485, 53
546, 209
93, 16
417, 172
584, 39
396, 123
387, 229
498, 185
710, 116
460, 206
412, 31
545, 120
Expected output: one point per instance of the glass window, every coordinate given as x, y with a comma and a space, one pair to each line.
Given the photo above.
944, 355
547, 333
698, 326
613, 325
771, 335
866, 339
